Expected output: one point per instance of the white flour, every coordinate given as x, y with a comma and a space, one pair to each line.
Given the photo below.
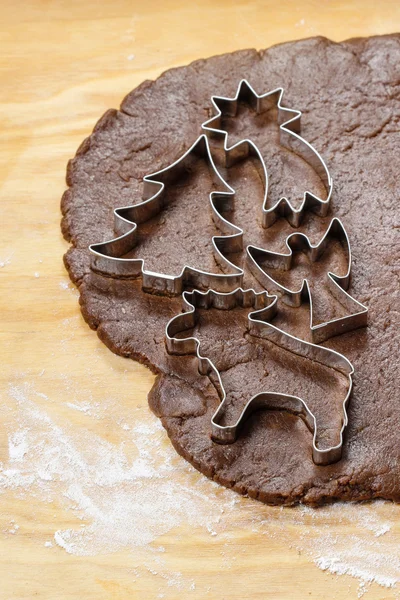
130, 488
4, 262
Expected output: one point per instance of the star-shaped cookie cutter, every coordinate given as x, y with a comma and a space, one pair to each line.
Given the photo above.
265, 308
289, 134
338, 285
108, 257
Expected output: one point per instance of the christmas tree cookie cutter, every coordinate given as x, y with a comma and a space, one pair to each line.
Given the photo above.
108, 257
259, 326
289, 133
338, 285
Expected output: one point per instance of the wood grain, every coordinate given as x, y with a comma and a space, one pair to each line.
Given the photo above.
62, 65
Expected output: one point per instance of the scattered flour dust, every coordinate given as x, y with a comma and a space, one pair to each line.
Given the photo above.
5, 261
129, 488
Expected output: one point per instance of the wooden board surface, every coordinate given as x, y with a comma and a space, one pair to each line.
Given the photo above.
63, 63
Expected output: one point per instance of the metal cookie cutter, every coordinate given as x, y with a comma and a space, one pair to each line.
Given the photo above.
289, 134
260, 327
338, 285
108, 257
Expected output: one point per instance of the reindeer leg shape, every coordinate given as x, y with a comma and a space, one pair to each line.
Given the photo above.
231, 415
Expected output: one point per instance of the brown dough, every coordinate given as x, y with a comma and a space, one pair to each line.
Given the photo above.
349, 94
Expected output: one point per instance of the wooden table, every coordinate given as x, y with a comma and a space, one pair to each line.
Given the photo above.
63, 63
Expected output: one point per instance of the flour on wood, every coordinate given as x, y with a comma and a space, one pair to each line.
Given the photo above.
130, 492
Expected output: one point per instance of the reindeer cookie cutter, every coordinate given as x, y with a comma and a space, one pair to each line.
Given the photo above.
261, 327
338, 285
108, 257
289, 134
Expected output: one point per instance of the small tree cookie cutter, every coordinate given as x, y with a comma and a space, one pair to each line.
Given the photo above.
261, 327
108, 257
289, 133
